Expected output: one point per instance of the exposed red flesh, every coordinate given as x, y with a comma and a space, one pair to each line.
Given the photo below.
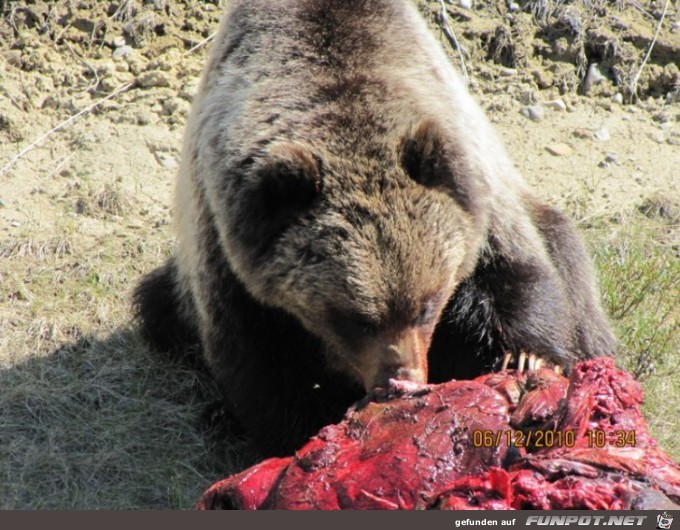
416, 448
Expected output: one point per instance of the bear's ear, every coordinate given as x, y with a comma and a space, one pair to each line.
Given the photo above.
288, 179
434, 159
423, 156
282, 184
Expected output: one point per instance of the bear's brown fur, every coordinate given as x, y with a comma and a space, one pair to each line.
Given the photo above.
346, 215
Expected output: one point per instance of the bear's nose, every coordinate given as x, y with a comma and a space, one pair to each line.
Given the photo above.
400, 373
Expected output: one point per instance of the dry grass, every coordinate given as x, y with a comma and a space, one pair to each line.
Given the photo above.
89, 418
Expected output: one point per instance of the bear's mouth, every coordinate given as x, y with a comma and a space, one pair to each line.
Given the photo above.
530, 362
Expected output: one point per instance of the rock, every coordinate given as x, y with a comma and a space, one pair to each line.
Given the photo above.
611, 157
508, 72
556, 104
559, 149
533, 112
513, 6
593, 77
617, 98
602, 135
584, 134
154, 78
166, 160
465, 4
122, 51
119, 41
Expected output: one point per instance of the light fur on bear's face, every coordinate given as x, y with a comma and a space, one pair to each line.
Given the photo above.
367, 268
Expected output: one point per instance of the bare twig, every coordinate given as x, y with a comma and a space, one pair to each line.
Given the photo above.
126, 10
640, 9
64, 124
201, 44
633, 85
448, 31
58, 167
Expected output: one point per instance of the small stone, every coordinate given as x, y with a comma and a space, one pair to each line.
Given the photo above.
675, 27
556, 104
119, 41
533, 112
154, 78
617, 98
584, 134
123, 51
611, 157
513, 6
508, 72
602, 135
465, 4
166, 160
559, 149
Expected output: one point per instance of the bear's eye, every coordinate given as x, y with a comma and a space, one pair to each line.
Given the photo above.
426, 316
429, 311
351, 326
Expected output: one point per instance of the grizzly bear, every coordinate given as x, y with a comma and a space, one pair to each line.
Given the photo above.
346, 215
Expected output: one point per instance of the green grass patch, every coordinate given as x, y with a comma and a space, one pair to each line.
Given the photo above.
639, 275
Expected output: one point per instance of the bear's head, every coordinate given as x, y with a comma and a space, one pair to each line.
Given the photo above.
364, 252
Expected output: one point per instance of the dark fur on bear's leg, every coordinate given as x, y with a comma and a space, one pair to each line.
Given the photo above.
548, 308
157, 307
276, 386
505, 307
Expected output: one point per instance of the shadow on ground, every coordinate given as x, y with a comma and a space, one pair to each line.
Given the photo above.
105, 424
